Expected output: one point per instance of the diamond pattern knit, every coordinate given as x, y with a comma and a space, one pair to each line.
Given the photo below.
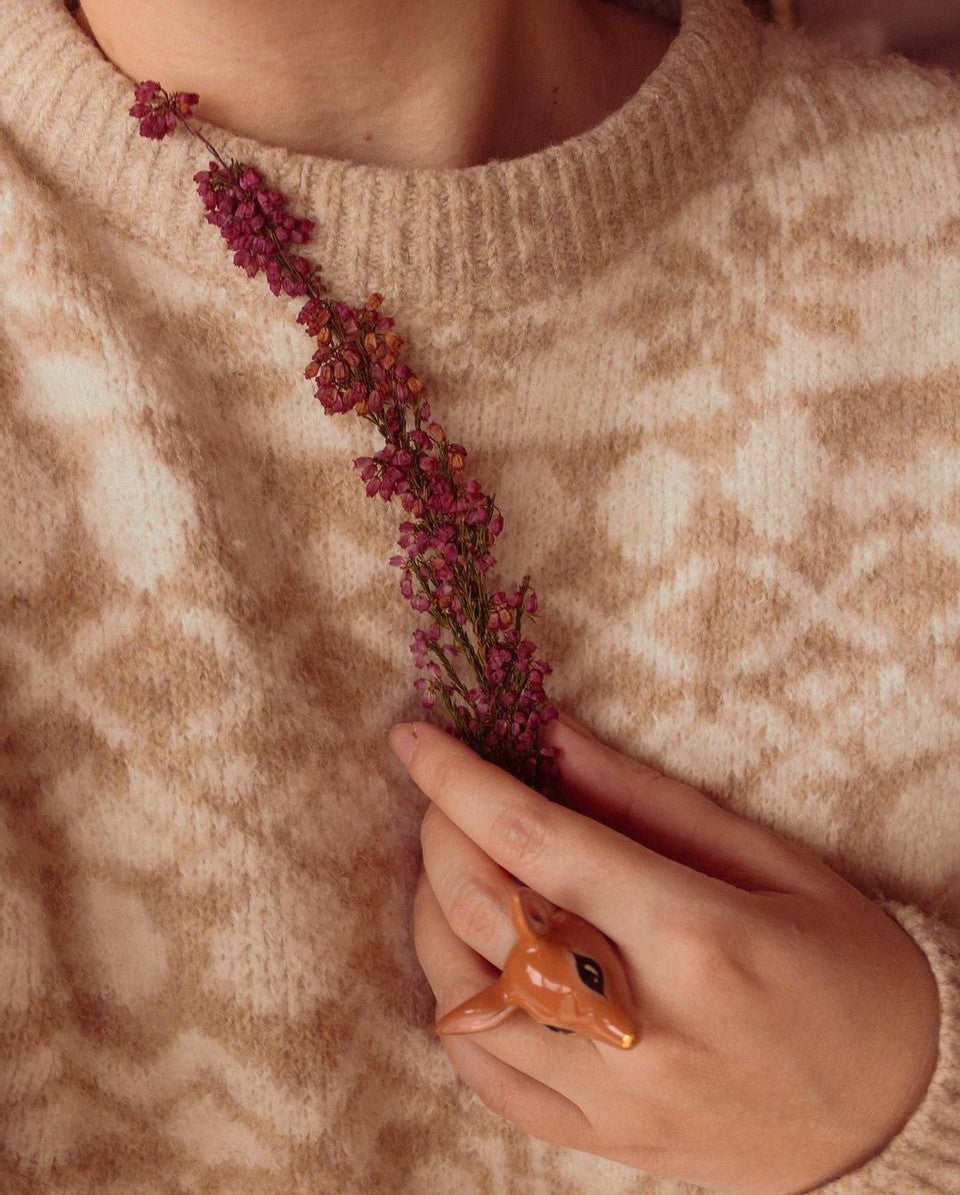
707, 355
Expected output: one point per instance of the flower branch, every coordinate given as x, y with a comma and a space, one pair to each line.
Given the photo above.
475, 660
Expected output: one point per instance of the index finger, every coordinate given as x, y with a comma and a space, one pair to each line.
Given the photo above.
575, 862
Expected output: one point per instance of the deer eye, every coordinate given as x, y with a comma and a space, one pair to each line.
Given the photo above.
590, 973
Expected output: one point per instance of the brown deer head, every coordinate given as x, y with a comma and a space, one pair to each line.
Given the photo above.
562, 971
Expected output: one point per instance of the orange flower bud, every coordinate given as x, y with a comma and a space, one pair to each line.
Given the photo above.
414, 385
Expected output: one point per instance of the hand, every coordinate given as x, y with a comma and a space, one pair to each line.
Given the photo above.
788, 1026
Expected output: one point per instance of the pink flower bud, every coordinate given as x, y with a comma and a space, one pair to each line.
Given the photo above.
357, 366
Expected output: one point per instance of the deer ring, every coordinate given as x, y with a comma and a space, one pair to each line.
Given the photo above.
562, 971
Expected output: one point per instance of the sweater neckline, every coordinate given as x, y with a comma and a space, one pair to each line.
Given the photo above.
503, 232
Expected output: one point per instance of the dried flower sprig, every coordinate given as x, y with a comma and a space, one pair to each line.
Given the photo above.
476, 661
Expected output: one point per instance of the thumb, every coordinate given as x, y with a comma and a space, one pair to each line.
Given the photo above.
574, 723
673, 818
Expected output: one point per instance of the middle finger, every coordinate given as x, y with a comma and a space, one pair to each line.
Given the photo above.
473, 891
566, 1063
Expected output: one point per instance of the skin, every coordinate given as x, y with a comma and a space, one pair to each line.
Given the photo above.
413, 83
789, 1026
927, 30
748, 1077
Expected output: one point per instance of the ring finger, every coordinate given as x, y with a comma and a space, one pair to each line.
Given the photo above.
567, 1063
474, 892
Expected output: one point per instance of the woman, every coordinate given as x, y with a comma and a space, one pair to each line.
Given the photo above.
689, 293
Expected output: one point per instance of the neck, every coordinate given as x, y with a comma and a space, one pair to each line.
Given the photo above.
416, 83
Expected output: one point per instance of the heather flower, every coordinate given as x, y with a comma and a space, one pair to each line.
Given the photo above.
255, 224
476, 662
158, 112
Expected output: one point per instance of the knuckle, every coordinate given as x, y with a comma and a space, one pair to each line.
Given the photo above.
788, 923
520, 833
708, 947
497, 1096
646, 774
502, 1098
442, 777
474, 911
654, 1159
428, 825
808, 873
422, 893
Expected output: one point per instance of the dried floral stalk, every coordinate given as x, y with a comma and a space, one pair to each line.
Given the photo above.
476, 662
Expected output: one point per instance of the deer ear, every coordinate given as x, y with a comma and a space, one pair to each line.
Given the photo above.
532, 914
482, 1011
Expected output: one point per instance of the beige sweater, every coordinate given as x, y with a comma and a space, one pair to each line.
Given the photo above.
708, 357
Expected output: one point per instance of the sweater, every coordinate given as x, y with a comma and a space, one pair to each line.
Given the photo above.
706, 355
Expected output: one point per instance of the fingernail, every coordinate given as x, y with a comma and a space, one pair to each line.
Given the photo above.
402, 739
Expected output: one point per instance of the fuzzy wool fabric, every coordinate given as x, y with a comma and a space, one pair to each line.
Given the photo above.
706, 355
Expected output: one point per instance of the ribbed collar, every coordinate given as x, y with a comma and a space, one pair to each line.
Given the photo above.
487, 235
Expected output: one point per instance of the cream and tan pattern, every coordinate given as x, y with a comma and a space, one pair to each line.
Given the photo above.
708, 357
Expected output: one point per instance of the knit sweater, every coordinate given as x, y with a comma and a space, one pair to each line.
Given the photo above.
707, 357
